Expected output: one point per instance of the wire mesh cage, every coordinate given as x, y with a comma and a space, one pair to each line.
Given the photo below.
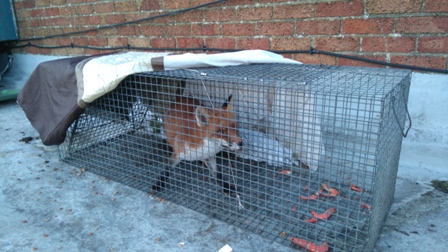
283, 150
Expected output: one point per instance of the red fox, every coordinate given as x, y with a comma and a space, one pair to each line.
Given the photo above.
198, 133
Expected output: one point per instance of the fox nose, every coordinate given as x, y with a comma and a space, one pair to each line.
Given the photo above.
240, 144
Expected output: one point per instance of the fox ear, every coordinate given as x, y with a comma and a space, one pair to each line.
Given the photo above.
228, 105
202, 116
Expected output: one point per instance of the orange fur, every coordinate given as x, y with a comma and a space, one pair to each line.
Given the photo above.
198, 133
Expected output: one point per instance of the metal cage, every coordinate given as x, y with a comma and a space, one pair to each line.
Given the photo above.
320, 149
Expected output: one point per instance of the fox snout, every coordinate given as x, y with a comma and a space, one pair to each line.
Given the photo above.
235, 146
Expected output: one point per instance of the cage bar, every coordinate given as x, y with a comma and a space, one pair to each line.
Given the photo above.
303, 128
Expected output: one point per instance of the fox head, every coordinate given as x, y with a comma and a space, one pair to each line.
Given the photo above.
220, 124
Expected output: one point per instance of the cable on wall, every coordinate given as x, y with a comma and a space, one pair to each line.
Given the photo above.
205, 49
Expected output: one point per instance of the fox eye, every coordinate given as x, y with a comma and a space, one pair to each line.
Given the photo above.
220, 131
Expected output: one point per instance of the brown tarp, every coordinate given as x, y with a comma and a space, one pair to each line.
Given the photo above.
49, 98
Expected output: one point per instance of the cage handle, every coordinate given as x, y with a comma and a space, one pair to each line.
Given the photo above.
405, 134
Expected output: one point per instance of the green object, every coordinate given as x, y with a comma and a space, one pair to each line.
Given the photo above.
9, 94
440, 185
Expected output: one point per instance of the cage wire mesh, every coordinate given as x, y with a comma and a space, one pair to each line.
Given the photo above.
319, 157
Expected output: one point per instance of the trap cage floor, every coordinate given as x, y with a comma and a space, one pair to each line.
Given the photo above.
306, 131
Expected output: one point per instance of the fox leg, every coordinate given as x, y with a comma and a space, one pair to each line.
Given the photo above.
217, 174
211, 164
163, 177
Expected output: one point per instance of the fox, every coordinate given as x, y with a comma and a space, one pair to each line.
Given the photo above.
197, 133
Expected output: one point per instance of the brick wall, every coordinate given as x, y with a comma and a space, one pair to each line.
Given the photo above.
413, 32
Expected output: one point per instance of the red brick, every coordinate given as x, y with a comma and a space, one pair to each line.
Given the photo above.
81, 41
135, 16
388, 44
257, 13
96, 41
191, 16
115, 19
94, 20
40, 32
38, 13
92, 33
340, 8
393, 6
42, 3
67, 11
176, 4
153, 30
117, 41
74, 1
225, 43
45, 51
57, 21
422, 25
139, 42
194, 3
252, 43
245, 29
84, 9
291, 43
104, 7
108, 32
17, 5
335, 44
294, 11
128, 6
165, 19
22, 14
241, 2
275, 28
28, 4
31, 50
190, 42
52, 11
163, 43
436, 6
205, 29
29, 23
315, 59
92, 52
104, 51
433, 45
70, 29
367, 26
221, 15
129, 30
51, 42
150, 5
350, 62
26, 33
35, 23
57, 2
421, 61
80, 20
318, 27
64, 40
287, 55
177, 30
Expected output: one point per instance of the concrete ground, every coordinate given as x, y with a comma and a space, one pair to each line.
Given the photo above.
47, 205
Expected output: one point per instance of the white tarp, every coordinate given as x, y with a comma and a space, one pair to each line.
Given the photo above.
189, 60
103, 74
